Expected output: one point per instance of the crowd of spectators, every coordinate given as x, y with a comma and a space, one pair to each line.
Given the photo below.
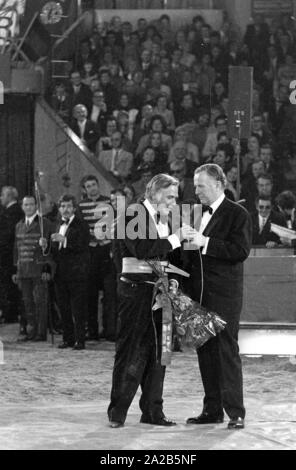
150, 100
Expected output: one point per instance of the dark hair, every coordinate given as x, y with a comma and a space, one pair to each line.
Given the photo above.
227, 148
263, 198
286, 200
30, 196
67, 198
118, 190
88, 178
221, 116
265, 176
158, 117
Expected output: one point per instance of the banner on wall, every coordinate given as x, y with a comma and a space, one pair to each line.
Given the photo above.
272, 7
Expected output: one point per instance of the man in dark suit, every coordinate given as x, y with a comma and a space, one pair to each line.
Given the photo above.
262, 220
85, 128
13, 214
79, 92
224, 239
139, 335
71, 254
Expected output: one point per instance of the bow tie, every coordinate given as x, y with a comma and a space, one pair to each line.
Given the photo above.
207, 209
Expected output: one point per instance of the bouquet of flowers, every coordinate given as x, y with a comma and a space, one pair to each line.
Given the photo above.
193, 323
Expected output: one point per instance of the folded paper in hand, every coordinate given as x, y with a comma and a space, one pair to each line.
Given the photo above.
283, 232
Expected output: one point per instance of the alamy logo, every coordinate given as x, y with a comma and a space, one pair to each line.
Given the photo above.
1, 93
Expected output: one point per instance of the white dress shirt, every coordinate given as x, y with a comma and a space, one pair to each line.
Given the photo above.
207, 217
29, 220
82, 125
162, 228
63, 230
262, 222
95, 112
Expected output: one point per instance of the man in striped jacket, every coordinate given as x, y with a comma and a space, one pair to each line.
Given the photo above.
101, 276
32, 268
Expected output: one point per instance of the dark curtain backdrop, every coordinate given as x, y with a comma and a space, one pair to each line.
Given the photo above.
17, 142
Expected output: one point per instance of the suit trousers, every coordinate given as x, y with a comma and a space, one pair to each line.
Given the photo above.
136, 359
72, 302
221, 372
34, 293
101, 277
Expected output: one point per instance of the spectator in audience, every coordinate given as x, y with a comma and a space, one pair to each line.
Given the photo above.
146, 173
88, 73
157, 124
110, 92
61, 102
124, 105
186, 191
143, 123
250, 187
104, 142
262, 219
231, 180
252, 155
223, 156
260, 130
117, 160
86, 129
129, 193
163, 110
32, 269
6, 247
211, 142
187, 111
79, 92
99, 112
285, 204
192, 152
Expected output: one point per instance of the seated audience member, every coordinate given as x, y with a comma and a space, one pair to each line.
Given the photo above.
117, 160
187, 111
85, 128
197, 133
130, 194
219, 92
124, 105
71, 254
151, 157
88, 73
252, 155
104, 142
126, 130
162, 109
192, 152
186, 190
157, 124
99, 112
223, 156
180, 154
60, 101
32, 268
110, 92
79, 92
285, 205
262, 219
289, 172
211, 142
260, 129
250, 189
231, 180
142, 124
139, 186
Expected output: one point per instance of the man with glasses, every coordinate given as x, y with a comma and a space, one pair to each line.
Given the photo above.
117, 160
262, 219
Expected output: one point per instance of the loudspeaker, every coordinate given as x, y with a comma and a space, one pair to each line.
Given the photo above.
240, 85
5, 71
37, 41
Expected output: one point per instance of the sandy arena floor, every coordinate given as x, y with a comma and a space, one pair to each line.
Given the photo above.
53, 399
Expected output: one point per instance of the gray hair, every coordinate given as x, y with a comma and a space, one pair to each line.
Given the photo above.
11, 191
158, 182
213, 170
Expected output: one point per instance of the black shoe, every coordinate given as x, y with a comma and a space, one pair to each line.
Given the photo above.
78, 346
65, 345
236, 423
205, 418
163, 421
115, 424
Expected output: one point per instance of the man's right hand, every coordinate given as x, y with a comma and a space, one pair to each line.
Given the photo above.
14, 278
185, 233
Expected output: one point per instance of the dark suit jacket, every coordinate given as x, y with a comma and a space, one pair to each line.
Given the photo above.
266, 235
14, 213
147, 245
230, 233
91, 134
84, 96
73, 261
